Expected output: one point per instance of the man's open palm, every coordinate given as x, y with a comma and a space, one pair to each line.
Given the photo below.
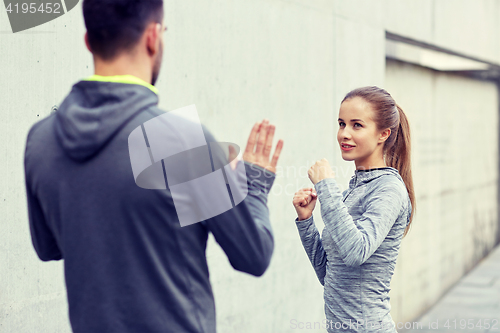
258, 149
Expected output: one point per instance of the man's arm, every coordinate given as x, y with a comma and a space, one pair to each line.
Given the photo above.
42, 237
244, 232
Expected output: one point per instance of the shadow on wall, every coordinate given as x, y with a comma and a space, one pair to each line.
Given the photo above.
483, 225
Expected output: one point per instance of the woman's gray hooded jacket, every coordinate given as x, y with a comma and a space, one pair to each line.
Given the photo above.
356, 254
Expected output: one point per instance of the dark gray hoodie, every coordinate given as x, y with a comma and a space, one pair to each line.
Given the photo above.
129, 266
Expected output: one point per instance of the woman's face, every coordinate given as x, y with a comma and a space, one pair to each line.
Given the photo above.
358, 130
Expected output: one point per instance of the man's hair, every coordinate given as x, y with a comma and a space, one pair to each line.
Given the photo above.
114, 26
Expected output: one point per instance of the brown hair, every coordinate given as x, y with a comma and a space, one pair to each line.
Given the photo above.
397, 147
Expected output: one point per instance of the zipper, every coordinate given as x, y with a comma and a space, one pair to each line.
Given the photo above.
348, 194
355, 183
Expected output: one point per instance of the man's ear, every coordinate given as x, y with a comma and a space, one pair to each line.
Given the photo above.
87, 42
153, 35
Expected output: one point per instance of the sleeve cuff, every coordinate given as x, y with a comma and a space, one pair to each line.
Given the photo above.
324, 186
304, 221
257, 174
324, 182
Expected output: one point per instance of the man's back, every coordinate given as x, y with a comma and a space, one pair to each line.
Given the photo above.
129, 265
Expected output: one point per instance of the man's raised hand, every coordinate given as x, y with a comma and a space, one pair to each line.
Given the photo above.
258, 149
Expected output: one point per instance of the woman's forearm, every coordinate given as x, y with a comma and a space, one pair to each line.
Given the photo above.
357, 242
313, 246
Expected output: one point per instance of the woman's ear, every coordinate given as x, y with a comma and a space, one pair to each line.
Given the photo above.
385, 134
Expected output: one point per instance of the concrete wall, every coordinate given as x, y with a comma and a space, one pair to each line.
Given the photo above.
38, 68
291, 61
454, 124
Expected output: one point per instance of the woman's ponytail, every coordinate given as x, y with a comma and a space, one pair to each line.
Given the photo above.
399, 157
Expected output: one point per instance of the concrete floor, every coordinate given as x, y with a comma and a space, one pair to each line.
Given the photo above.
472, 305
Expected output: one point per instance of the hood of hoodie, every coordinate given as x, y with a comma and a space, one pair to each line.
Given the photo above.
365, 176
94, 111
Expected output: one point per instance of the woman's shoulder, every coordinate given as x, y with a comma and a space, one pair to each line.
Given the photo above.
388, 182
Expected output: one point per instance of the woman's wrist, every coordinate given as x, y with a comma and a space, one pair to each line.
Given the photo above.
303, 218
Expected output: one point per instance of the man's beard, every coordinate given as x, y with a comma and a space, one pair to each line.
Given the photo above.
157, 65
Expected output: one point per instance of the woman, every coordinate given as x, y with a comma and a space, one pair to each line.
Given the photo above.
356, 254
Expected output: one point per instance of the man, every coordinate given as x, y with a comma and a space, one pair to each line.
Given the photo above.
129, 265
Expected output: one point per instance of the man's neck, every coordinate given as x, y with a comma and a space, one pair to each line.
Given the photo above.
122, 66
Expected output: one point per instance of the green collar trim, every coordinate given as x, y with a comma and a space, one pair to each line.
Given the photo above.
122, 79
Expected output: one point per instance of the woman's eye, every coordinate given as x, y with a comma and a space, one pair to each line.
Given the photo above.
342, 124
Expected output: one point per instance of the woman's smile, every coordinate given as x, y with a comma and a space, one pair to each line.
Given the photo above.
346, 147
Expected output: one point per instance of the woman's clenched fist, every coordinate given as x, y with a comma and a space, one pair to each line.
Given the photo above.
304, 202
